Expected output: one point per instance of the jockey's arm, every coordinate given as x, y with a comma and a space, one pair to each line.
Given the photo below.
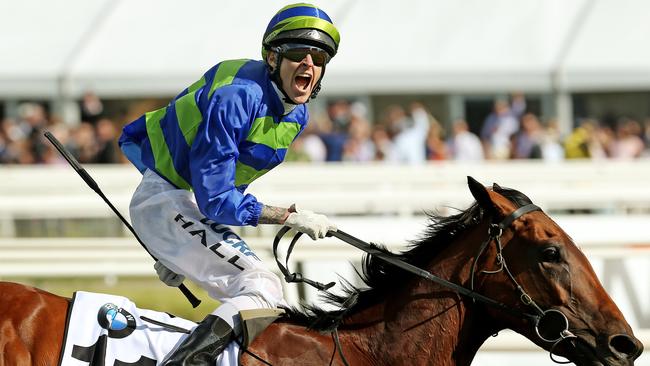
313, 224
275, 215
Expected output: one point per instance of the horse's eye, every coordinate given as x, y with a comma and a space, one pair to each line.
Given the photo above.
551, 254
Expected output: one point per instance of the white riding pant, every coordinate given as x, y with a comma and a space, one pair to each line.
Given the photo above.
171, 226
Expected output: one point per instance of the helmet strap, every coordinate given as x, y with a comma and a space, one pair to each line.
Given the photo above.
275, 75
317, 87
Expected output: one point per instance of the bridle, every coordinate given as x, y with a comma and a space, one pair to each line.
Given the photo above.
550, 325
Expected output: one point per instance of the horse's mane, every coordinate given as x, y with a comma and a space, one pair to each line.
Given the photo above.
381, 277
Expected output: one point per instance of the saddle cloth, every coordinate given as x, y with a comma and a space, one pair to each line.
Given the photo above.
108, 330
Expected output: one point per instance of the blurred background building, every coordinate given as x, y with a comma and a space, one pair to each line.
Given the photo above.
569, 64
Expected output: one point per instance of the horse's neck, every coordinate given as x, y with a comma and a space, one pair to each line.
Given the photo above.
424, 324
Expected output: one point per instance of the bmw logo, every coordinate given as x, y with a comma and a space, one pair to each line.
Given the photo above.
119, 322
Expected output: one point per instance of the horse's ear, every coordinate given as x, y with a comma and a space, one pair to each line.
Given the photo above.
480, 194
496, 187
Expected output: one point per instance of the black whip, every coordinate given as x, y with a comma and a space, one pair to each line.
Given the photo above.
95, 187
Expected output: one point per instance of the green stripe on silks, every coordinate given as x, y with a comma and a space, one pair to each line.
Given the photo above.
246, 174
162, 157
274, 135
189, 116
225, 74
198, 84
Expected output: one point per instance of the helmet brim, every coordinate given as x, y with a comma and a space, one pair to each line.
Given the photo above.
313, 37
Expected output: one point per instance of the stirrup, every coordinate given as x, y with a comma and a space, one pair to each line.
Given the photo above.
254, 321
203, 345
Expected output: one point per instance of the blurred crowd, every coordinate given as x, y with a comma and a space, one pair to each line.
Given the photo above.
411, 134
344, 131
92, 141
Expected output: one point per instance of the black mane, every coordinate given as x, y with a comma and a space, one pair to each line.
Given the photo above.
381, 277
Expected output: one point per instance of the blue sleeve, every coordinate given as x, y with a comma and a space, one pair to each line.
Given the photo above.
130, 142
227, 119
133, 152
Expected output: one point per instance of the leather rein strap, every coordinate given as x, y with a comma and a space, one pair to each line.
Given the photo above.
284, 268
494, 234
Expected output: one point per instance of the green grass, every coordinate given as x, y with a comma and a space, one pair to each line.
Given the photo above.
145, 292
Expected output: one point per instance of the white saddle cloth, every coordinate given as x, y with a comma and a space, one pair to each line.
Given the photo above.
108, 330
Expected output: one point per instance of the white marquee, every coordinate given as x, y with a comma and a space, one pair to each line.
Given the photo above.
157, 47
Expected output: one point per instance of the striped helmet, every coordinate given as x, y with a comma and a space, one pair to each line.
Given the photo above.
301, 23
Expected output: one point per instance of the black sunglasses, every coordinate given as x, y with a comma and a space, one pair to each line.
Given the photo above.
297, 54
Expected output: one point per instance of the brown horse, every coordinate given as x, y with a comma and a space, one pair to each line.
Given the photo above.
536, 282
404, 319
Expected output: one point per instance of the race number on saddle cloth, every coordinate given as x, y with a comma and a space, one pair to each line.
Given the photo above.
109, 330
103, 329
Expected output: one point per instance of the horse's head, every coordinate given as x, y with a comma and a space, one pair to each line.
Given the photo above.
554, 273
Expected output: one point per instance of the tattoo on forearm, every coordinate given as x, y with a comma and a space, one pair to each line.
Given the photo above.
273, 215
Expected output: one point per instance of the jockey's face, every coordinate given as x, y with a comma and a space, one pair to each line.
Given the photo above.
299, 78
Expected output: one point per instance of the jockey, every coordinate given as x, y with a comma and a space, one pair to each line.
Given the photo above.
199, 154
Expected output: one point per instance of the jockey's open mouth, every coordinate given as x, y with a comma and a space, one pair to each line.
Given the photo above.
303, 81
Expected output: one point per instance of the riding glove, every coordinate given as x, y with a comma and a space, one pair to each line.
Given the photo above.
313, 224
167, 276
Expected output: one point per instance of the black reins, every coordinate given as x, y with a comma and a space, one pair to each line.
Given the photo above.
494, 234
284, 268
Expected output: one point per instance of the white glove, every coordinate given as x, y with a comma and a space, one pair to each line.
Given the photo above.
167, 276
313, 224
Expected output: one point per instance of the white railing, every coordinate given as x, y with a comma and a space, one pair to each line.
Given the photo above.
602, 235
32, 192
352, 188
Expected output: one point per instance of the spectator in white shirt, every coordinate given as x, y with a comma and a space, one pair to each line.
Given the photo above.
465, 145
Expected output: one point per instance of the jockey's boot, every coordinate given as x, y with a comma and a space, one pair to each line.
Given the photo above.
203, 345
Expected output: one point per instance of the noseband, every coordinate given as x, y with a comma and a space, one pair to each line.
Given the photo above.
550, 325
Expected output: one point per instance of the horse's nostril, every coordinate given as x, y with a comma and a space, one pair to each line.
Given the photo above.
624, 344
